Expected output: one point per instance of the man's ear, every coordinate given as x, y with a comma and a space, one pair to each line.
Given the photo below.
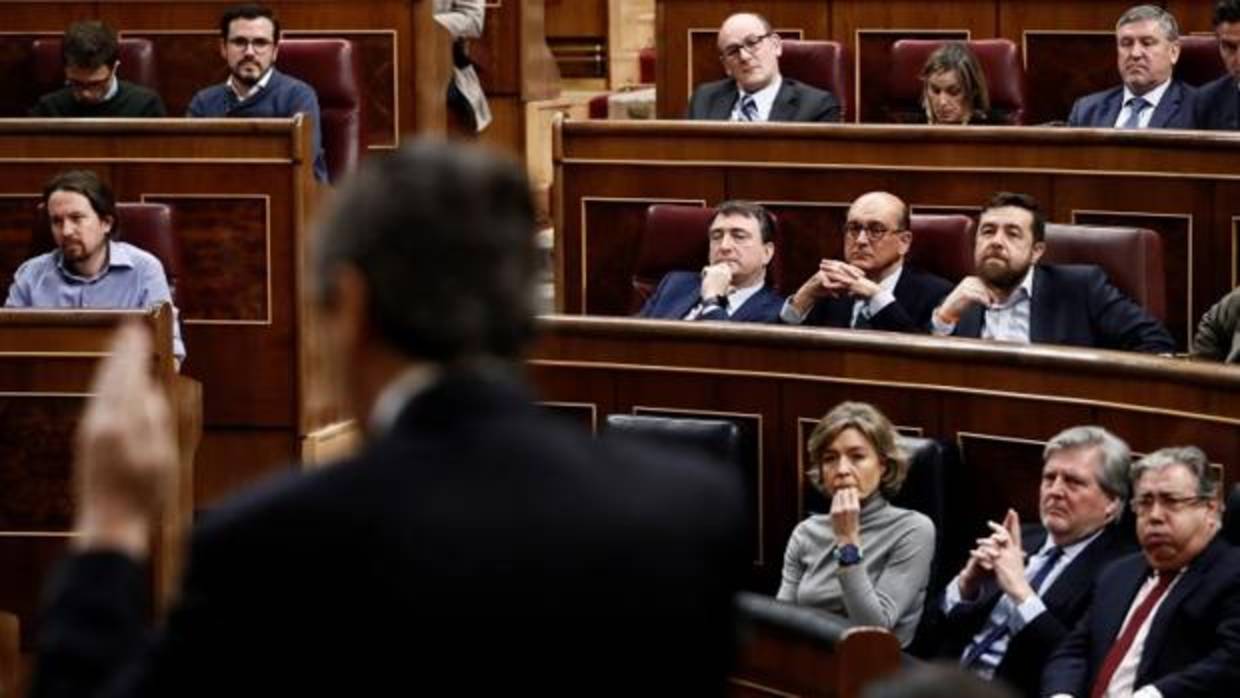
108, 222
769, 250
1039, 248
224, 49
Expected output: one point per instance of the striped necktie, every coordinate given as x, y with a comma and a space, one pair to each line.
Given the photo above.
1136, 105
749, 108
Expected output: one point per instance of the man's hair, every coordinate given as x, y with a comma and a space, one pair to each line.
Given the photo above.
955, 56
90, 44
89, 185
444, 238
249, 11
1191, 457
748, 209
766, 23
1141, 13
876, 429
1114, 457
1030, 204
1226, 11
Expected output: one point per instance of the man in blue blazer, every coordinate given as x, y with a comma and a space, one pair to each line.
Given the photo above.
733, 284
1168, 623
754, 90
1218, 103
1022, 592
1011, 297
872, 288
1147, 39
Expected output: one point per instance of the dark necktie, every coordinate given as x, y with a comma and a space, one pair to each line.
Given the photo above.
749, 108
980, 647
1136, 105
1121, 646
863, 317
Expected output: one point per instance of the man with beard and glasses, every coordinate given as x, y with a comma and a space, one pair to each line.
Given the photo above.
1147, 42
1011, 297
249, 43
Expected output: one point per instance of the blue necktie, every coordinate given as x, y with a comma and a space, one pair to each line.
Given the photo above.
1136, 105
979, 648
749, 108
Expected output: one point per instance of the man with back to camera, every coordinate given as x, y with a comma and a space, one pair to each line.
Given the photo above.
1147, 41
89, 268
1166, 623
1012, 297
872, 288
733, 286
475, 544
1218, 103
1022, 591
754, 90
91, 54
249, 44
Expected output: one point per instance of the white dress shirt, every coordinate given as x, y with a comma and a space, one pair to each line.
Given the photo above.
1154, 96
875, 304
736, 298
764, 99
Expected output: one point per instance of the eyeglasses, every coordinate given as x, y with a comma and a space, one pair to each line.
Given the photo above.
259, 44
90, 85
1144, 504
750, 44
875, 230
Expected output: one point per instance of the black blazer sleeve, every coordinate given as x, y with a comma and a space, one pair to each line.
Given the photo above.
1121, 323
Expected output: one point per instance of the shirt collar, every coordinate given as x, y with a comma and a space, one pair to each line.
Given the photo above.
1022, 292
258, 86
1070, 550
763, 98
118, 257
1154, 96
398, 393
892, 278
112, 88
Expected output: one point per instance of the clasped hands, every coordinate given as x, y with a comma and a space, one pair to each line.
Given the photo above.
833, 280
846, 516
1001, 556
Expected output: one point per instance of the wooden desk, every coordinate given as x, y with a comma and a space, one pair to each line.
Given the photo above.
47, 361
1058, 38
998, 403
1184, 185
240, 192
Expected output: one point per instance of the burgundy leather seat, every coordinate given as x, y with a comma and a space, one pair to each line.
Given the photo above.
1131, 257
1000, 61
331, 67
822, 64
942, 245
1200, 61
137, 57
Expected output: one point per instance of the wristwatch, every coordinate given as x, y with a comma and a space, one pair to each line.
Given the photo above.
848, 555
720, 300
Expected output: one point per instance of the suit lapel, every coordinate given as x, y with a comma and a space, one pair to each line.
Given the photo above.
970, 324
1041, 308
725, 99
750, 308
1111, 106
1160, 624
1168, 106
1077, 576
784, 108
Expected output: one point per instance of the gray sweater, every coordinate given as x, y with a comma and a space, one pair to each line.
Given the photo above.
888, 587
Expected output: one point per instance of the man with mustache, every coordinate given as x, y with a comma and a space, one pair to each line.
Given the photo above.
1168, 623
1147, 39
754, 90
250, 43
1218, 103
1021, 592
1012, 298
871, 288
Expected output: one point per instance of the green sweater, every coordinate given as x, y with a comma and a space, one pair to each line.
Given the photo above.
130, 100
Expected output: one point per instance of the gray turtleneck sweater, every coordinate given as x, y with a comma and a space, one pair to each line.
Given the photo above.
887, 588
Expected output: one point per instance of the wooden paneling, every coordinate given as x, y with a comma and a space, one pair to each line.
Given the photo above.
808, 174
1070, 45
999, 402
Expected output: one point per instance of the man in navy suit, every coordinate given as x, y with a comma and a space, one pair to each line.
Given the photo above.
754, 90
1168, 623
871, 288
1218, 103
1147, 38
1020, 593
1011, 297
733, 284
473, 545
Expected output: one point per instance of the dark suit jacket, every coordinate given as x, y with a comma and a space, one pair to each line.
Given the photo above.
917, 294
796, 101
1218, 105
482, 546
1066, 600
1193, 648
1101, 109
1075, 304
679, 291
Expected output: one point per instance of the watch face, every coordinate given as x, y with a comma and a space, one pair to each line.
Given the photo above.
848, 554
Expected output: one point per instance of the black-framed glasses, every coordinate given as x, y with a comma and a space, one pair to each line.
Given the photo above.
259, 44
1144, 504
874, 230
750, 43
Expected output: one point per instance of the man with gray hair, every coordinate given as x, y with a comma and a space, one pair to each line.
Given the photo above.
1169, 624
1006, 612
1147, 39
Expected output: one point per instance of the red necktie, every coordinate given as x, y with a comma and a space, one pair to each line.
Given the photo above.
1120, 648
